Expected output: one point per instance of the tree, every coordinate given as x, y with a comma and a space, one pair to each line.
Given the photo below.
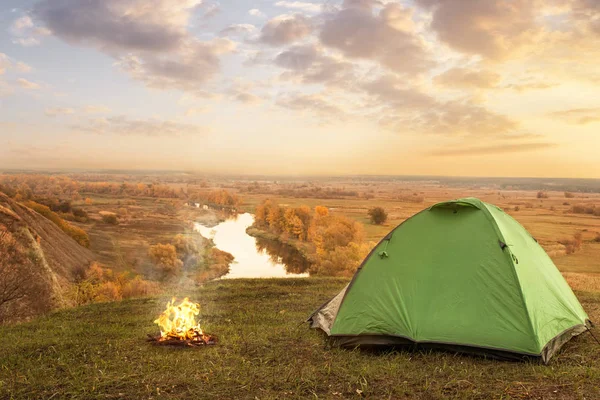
377, 215
165, 257
321, 211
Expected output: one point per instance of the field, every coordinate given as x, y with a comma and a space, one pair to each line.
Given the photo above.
549, 219
147, 221
265, 352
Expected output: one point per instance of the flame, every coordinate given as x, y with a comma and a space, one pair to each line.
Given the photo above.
179, 321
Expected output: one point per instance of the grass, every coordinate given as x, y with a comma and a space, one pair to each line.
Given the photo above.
265, 352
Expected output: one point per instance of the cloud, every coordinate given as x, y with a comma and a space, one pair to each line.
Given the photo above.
124, 126
195, 111
309, 64
149, 39
391, 91
22, 67
530, 84
492, 149
130, 25
578, 116
24, 83
187, 70
459, 118
493, 29
25, 33
387, 38
237, 29
22, 23
255, 12
300, 5
211, 10
27, 42
402, 108
285, 29
468, 78
5, 63
315, 103
247, 98
53, 112
92, 109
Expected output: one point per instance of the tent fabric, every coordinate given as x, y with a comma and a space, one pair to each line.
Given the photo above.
461, 273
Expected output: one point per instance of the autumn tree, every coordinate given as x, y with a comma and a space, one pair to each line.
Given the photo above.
377, 215
321, 211
165, 257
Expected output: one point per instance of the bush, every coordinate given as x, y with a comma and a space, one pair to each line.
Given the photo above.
569, 195
542, 195
377, 215
584, 209
101, 285
597, 238
110, 219
165, 257
517, 208
572, 245
80, 213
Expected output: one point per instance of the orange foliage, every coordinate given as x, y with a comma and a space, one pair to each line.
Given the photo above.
337, 241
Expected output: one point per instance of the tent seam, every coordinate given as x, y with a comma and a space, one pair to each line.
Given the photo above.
514, 272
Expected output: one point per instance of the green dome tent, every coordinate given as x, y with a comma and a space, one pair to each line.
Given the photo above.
462, 275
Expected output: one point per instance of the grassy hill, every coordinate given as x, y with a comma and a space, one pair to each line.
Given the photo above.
38, 261
265, 352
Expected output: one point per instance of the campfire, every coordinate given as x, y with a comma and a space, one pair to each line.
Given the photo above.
178, 326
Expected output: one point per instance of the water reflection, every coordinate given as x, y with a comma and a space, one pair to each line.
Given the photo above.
266, 259
283, 254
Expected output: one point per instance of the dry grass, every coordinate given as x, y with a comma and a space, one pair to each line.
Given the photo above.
264, 352
583, 282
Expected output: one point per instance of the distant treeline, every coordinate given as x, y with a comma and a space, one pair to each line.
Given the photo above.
215, 197
24, 187
301, 190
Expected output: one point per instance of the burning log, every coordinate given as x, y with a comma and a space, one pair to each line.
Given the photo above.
178, 326
200, 340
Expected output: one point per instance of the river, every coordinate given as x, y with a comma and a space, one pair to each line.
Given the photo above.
254, 258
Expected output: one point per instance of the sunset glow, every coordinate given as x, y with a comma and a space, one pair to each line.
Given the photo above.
427, 87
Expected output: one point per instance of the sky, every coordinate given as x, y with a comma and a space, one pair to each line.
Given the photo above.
419, 87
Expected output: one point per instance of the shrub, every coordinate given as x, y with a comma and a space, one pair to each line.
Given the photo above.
165, 257
139, 287
569, 195
585, 209
542, 195
377, 215
597, 238
110, 219
572, 245
101, 284
517, 208
80, 213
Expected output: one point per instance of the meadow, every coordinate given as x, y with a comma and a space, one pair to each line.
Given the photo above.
265, 351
